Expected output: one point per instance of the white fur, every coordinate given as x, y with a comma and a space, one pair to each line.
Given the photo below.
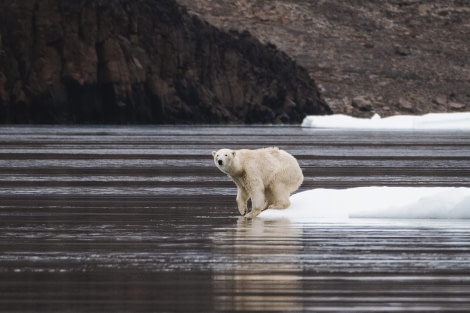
266, 176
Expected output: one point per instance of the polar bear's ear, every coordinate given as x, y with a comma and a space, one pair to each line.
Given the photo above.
233, 153
213, 153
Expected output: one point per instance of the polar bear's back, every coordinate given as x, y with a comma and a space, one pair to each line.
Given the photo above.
270, 163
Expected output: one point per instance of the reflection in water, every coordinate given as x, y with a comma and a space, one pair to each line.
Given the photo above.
264, 273
331, 266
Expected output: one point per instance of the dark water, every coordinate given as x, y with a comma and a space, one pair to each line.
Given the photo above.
139, 219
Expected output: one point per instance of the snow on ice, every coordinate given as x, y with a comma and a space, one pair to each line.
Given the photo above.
377, 202
432, 121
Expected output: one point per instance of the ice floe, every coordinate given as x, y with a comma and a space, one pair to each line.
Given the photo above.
431, 121
377, 202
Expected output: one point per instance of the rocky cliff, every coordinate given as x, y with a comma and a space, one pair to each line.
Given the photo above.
123, 61
389, 57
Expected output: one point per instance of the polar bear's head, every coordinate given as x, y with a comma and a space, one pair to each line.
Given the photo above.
223, 159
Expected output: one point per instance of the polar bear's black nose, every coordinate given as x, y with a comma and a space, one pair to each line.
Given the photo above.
220, 162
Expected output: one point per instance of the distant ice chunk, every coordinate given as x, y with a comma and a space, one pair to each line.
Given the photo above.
377, 202
432, 121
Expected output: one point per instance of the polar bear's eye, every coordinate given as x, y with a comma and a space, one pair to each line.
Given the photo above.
225, 155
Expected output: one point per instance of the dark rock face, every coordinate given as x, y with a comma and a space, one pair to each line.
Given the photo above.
113, 61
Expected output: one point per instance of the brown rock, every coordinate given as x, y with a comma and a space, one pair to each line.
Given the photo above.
362, 103
456, 105
88, 26
405, 104
114, 65
48, 22
45, 71
441, 100
80, 60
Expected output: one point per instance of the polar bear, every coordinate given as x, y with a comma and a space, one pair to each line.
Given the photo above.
266, 176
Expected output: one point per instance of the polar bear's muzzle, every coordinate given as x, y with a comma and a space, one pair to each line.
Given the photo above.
220, 162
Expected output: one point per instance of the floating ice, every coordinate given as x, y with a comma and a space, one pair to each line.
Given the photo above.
377, 202
432, 121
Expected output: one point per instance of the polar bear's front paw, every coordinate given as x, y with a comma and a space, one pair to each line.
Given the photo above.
252, 214
249, 215
243, 211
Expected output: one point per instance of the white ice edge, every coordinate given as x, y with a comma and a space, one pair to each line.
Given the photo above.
431, 121
377, 202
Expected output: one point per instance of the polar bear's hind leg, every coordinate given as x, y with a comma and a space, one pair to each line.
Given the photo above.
279, 197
